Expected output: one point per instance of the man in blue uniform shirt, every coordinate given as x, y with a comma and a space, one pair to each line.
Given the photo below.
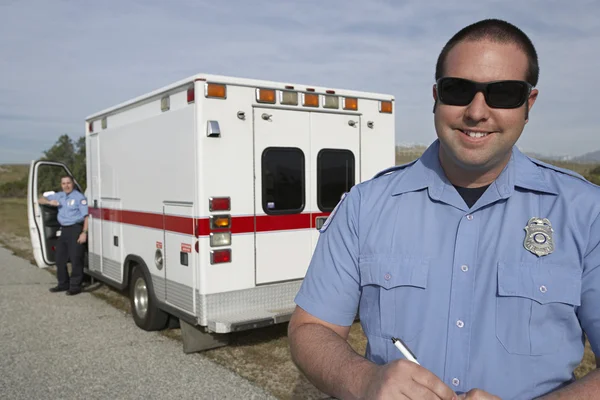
481, 259
72, 216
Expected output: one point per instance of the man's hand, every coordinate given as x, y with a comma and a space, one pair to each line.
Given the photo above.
403, 379
82, 238
478, 394
54, 203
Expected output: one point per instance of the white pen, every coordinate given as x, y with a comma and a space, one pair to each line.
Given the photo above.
404, 350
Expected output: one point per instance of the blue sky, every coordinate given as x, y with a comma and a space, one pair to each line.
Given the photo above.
63, 60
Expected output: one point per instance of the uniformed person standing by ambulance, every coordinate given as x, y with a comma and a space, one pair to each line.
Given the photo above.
73, 219
482, 260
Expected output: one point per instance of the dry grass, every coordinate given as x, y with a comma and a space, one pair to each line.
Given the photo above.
13, 172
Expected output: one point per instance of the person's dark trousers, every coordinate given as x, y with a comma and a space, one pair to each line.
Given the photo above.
68, 248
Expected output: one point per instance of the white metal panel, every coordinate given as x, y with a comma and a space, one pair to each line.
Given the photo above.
377, 144
93, 197
112, 240
331, 131
281, 255
226, 168
176, 246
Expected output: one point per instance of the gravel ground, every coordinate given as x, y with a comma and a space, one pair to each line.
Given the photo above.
56, 346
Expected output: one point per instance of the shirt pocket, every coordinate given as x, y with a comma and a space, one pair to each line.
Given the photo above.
535, 306
393, 295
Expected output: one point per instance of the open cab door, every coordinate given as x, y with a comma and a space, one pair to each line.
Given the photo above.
44, 229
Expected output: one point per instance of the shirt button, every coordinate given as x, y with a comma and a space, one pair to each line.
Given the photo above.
469, 217
455, 382
387, 277
464, 268
460, 324
543, 289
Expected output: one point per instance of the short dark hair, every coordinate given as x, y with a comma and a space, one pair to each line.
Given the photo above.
67, 176
497, 31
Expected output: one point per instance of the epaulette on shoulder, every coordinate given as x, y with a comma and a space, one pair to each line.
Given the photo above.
558, 169
394, 169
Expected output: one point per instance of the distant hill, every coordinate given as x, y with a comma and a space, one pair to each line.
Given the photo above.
588, 158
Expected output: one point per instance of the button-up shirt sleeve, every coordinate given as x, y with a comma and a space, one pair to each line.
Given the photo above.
589, 312
83, 205
331, 289
53, 196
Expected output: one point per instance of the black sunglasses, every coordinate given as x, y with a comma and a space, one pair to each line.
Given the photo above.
498, 94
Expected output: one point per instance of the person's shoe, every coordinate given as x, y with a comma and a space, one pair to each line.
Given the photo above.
73, 292
56, 289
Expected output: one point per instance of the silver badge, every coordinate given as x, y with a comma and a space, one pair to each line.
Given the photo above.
538, 238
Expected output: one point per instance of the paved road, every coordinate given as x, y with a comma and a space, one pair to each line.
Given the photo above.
54, 346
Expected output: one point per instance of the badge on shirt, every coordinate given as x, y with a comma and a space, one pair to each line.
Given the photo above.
83, 202
330, 218
538, 236
71, 202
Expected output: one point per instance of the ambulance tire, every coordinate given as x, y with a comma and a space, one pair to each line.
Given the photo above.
143, 303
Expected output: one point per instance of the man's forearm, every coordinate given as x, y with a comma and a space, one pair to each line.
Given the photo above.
329, 361
587, 387
43, 200
85, 224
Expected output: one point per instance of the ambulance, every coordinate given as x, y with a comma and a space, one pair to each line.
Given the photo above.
206, 196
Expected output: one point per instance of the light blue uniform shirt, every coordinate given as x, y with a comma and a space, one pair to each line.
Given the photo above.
72, 207
458, 285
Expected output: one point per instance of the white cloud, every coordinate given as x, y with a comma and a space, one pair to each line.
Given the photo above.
69, 59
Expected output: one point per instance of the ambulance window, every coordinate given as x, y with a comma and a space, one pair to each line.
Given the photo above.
335, 176
282, 180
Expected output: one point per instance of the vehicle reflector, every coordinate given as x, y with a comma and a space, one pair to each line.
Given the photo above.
351, 103
216, 90
330, 91
220, 221
197, 246
385, 107
91, 126
218, 239
265, 96
220, 256
311, 100
191, 95
331, 102
289, 98
219, 204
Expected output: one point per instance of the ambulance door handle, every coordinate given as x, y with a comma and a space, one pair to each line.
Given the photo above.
266, 117
352, 123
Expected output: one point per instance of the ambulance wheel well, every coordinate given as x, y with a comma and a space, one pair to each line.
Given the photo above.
132, 261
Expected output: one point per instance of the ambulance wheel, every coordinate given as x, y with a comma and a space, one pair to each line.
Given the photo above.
143, 308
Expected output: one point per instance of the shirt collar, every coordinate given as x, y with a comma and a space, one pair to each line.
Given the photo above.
428, 173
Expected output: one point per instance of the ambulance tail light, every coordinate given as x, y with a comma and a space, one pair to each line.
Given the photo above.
220, 222
219, 239
219, 204
331, 102
220, 256
288, 98
191, 95
350, 103
215, 91
265, 96
311, 100
385, 107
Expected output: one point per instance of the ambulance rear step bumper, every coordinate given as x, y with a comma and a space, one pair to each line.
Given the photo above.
249, 319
